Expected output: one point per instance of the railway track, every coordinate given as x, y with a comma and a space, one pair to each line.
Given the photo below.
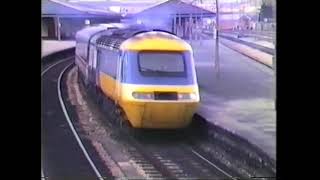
262, 36
253, 45
250, 44
180, 161
181, 157
173, 159
64, 154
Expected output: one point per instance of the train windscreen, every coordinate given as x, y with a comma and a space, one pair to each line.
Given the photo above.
155, 63
158, 67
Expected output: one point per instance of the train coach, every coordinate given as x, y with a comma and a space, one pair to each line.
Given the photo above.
148, 75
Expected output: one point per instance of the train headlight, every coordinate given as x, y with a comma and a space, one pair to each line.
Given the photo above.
187, 96
143, 95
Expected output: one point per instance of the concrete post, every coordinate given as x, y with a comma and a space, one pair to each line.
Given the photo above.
58, 26
274, 63
180, 27
189, 28
196, 28
201, 26
175, 24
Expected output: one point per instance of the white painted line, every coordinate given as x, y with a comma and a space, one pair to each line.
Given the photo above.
42, 174
71, 126
63, 60
212, 164
43, 72
269, 130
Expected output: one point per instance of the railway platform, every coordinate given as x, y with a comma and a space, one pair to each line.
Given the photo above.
240, 98
51, 46
263, 55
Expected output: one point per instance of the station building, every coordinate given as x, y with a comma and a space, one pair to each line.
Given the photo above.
61, 20
175, 16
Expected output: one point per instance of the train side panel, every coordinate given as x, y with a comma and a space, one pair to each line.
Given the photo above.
80, 58
107, 59
107, 85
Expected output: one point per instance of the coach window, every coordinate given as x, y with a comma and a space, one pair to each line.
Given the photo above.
102, 60
91, 55
108, 62
112, 63
84, 51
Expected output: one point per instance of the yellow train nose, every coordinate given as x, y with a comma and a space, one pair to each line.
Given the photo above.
159, 107
167, 115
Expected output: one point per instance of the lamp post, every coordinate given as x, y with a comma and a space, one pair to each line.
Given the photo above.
217, 63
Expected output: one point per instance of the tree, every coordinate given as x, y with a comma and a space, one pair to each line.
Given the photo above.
269, 2
266, 11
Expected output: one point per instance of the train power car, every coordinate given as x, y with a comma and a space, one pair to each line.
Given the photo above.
149, 75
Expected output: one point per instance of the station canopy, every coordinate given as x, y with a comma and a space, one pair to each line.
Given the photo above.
52, 8
174, 7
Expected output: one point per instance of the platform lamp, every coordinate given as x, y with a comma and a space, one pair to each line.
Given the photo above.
87, 22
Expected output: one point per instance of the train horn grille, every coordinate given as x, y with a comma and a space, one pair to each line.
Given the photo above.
165, 96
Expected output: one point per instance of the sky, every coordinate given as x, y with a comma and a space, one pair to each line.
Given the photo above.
157, 1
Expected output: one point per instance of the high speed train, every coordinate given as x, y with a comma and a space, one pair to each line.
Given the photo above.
147, 74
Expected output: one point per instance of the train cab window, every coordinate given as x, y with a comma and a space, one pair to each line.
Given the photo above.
153, 63
158, 67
